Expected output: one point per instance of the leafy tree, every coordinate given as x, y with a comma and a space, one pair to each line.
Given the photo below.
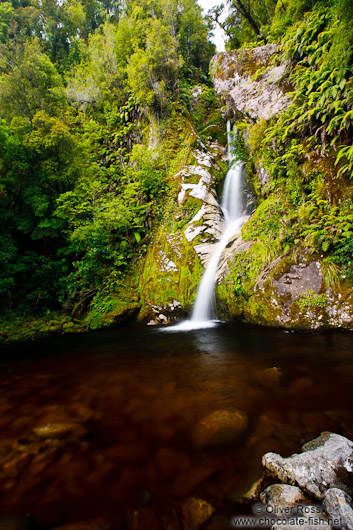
30, 83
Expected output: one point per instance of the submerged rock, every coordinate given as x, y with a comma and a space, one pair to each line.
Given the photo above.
60, 430
195, 513
220, 427
325, 463
251, 494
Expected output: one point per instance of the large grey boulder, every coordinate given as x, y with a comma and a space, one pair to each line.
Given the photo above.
338, 505
325, 463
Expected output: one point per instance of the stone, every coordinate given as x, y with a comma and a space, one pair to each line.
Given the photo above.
60, 430
299, 279
195, 94
338, 505
325, 463
192, 232
282, 495
220, 427
195, 513
251, 494
236, 245
233, 78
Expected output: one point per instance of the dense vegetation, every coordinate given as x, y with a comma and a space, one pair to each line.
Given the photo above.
304, 206
95, 101
88, 91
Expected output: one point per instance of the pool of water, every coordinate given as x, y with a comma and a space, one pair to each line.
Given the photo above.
133, 398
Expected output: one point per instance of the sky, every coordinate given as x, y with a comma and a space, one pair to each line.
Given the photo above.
218, 32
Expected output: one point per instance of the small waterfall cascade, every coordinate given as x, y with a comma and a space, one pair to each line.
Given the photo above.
204, 311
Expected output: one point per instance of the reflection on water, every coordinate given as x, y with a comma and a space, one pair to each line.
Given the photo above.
128, 402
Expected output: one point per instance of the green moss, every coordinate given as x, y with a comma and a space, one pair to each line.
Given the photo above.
171, 271
24, 328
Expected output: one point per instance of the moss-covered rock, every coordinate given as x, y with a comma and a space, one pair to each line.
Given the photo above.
289, 292
172, 269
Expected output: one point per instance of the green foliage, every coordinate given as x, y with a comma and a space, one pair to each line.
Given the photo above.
80, 191
205, 112
311, 300
306, 150
30, 83
331, 273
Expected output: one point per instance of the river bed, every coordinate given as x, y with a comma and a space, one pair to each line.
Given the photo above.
132, 398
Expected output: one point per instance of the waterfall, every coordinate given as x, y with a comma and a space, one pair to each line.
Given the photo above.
204, 310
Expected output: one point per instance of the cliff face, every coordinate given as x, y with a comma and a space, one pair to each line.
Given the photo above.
251, 82
276, 279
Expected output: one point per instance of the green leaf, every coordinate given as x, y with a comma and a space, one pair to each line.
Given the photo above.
137, 236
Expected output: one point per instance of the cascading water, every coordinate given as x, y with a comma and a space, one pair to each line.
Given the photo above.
204, 309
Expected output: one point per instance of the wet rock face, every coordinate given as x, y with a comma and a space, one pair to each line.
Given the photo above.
325, 463
250, 85
236, 245
208, 221
220, 427
182, 246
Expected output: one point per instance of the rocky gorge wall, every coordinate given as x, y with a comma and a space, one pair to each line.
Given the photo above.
258, 280
286, 286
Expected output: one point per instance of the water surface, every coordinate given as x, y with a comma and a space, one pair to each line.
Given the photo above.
136, 395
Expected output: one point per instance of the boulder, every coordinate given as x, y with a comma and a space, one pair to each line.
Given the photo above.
325, 463
282, 495
60, 430
220, 427
195, 513
338, 505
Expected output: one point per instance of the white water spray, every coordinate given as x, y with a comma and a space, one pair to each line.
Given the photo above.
204, 311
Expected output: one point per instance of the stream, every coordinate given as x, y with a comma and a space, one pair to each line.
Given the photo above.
131, 400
